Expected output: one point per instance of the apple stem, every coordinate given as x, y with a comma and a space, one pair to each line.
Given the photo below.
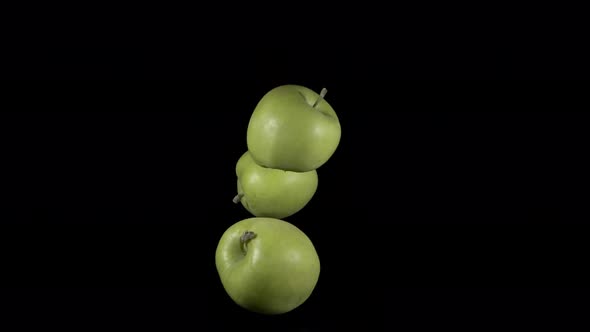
245, 238
322, 95
238, 198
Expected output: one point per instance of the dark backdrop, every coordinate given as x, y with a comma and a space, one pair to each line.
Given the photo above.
447, 204
456, 199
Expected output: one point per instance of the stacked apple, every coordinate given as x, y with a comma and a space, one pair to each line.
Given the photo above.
268, 265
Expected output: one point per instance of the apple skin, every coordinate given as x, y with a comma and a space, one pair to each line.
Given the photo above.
276, 273
267, 192
286, 132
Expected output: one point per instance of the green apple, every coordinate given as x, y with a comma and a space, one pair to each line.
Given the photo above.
267, 265
274, 193
294, 129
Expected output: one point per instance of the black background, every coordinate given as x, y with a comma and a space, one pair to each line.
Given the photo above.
446, 204
456, 198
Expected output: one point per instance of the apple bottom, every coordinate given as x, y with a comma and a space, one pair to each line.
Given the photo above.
267, 265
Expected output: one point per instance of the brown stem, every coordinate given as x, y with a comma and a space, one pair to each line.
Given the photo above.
237, 198
321, 96
245, 238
